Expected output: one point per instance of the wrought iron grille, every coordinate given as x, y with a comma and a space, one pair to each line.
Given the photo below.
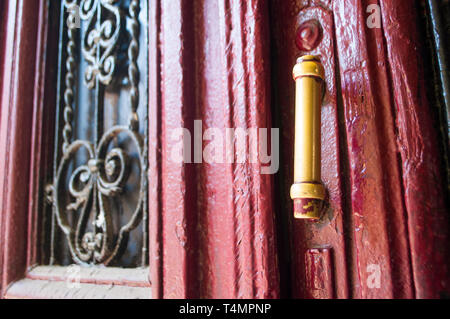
99, 189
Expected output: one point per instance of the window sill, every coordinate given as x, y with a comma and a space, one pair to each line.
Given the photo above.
45, 282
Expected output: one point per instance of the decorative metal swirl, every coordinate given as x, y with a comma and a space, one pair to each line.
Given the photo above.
85, 193
100, 39
92, 185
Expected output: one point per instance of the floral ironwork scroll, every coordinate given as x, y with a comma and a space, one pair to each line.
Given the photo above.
100, 40
82, 194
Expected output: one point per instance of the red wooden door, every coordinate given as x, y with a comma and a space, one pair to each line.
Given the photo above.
222, 229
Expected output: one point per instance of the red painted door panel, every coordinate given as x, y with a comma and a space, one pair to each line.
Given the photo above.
224, 230
384, 233
216, 222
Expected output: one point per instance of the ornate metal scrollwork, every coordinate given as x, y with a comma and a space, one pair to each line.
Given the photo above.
102, 176
82, 195
100, 39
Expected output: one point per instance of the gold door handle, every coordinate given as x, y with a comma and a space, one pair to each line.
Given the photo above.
307, 192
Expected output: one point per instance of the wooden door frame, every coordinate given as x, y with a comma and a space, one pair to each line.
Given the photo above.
22, 49
179, 255
28, 105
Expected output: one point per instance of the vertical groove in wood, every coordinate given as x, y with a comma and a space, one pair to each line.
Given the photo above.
39, 143
15, 137
423, 174
7, 47
154, 113
397, 230
376, 196
177, 111
215, 69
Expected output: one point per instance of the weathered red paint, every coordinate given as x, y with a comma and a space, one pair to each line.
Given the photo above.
328, 233
319, 273
212, 231
423, 177
377, 214
386, 226
15, 135
217, 219
178, 199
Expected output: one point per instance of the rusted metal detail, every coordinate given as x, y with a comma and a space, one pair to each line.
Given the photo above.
308, 208
107, 166
319, 273
46, 289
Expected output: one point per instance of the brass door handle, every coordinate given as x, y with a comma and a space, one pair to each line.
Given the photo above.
307, 192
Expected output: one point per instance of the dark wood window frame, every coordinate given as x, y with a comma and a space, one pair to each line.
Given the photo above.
26, 142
